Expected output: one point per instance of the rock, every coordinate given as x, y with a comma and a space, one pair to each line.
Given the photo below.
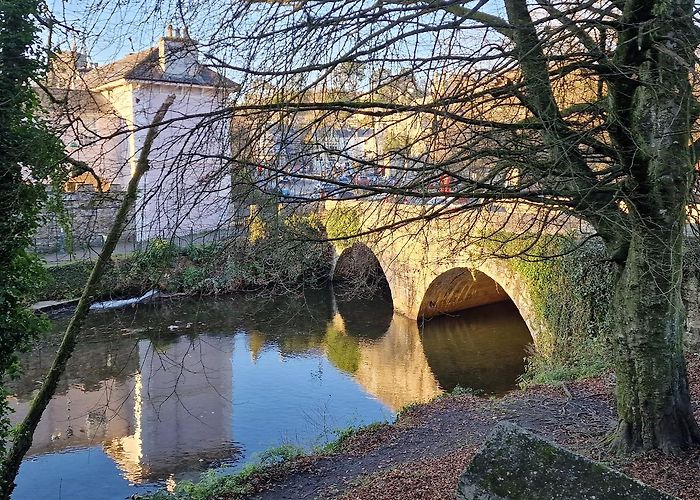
515, 464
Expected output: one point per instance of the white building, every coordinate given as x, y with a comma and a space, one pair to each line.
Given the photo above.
105, 112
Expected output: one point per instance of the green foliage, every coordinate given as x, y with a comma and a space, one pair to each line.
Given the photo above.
572, 294
159, 253
215, 484
458, 390
342, 350
574, 358
342, 224
279, 454
257, 229
65, 280
343, 435
30, 157
193, 278
131, 274
285, 260
212, 484
335, 445
289, 257
407, 408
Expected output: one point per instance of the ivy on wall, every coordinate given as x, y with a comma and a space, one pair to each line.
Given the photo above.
342, 223
571, 285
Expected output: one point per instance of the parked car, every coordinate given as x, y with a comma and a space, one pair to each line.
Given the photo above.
437, 200
284, 192
372, 179
361, 180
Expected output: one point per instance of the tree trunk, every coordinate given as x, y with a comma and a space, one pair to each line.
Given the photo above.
653, 402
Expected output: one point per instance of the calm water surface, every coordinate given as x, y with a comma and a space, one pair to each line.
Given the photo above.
160, 393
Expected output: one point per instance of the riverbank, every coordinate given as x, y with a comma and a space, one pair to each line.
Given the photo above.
422, 455
279, 257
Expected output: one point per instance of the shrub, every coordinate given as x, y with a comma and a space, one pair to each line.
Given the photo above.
290, 257
572, 294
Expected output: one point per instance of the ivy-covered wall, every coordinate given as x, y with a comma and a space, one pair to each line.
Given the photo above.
572, 293
342, 224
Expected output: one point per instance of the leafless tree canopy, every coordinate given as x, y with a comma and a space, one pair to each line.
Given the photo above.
555, 109
440, 97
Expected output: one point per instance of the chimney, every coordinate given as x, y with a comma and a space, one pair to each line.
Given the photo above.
177, 55
66, 67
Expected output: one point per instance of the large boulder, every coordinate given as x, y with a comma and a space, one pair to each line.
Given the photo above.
515, 464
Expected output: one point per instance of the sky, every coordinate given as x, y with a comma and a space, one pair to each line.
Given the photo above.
110, 29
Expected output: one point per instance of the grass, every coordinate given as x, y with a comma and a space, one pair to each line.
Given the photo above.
405, 410
343, 435
334, 446
581, 358
465, 391
215, 483
458, 390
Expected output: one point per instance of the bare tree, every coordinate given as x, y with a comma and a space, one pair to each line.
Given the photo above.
583, 109
22, 438
561, 108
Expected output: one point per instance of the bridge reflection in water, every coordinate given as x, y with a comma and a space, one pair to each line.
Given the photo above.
170, 389
482, 349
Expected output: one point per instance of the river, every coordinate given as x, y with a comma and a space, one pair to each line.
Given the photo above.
160, 393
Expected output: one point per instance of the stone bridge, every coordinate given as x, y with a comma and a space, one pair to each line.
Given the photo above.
440, 266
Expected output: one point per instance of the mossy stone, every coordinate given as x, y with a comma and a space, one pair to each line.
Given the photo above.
516, 464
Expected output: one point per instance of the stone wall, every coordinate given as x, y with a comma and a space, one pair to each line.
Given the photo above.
90, 215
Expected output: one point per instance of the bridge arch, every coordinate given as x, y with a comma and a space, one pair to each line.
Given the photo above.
459, 289
425, 261
359, 269
465, 287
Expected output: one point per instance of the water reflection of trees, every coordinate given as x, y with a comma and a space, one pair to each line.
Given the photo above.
94, 362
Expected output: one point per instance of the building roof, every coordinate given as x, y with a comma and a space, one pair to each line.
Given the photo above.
145, 65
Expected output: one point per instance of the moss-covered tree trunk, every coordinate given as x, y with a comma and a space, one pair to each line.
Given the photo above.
651, 109
652, 385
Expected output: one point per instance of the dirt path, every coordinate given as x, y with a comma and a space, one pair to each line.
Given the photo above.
428, 447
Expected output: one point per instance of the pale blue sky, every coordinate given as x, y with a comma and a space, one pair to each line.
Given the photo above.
110, 29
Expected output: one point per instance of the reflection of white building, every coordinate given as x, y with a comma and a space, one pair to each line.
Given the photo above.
106, 117
182, 409
159, 420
